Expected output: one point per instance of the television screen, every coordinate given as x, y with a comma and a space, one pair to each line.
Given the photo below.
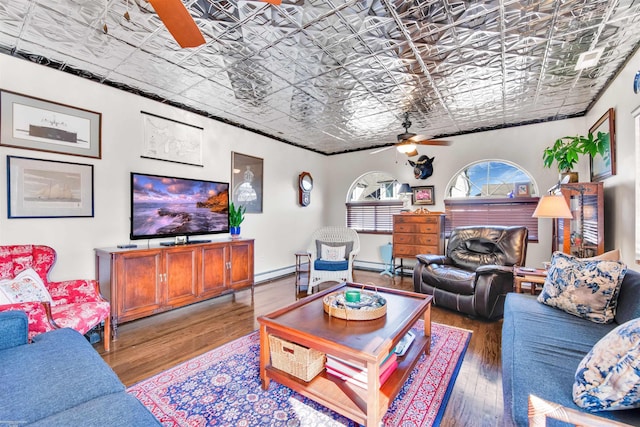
163, 206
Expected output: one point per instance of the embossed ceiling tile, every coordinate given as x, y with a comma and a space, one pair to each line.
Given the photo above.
12, 16
214, 10
479, 64
210, 91
258, 12
157, 73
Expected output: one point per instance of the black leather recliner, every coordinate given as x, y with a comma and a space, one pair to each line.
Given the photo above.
477, 271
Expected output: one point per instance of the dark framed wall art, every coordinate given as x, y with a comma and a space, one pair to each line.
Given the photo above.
247, 181
522, 189
603, 167
423, 195
48, 189
37, 124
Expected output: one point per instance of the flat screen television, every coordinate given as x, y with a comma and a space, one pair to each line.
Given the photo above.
165, 206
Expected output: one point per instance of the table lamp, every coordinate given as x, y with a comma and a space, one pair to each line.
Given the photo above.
404, 191
552, 206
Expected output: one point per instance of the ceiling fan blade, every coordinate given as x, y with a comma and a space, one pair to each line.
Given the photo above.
179, 22
433, 142
380, 150
424, 140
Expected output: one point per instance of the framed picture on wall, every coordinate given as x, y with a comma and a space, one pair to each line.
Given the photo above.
246, 182
48, 189
36, 124
522, 189
423, 195
604, 166
171, 141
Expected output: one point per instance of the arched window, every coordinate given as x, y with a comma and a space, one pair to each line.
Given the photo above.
372, 201
492, 192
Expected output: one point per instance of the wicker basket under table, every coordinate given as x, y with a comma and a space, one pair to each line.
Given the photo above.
301, 362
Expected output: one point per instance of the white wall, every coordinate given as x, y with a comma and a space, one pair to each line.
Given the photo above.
619, 190
279, 231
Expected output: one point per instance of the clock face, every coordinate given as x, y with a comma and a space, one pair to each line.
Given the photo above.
306, 183
304, 192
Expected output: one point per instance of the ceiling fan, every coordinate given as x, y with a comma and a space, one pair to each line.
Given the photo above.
180, 23
408, 141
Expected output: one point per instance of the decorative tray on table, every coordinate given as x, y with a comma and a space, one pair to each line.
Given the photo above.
370, 305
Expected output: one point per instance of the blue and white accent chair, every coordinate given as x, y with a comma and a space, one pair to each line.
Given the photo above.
332, 250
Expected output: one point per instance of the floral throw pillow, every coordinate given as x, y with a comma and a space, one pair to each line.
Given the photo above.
585, 288
26, 286
348, 248
608, 378
332, 253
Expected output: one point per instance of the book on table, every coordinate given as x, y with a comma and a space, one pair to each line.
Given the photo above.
356, 374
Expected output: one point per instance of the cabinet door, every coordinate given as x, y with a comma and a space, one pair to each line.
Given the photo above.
180, 275
241, 264
214, 270
583, 235
139, 284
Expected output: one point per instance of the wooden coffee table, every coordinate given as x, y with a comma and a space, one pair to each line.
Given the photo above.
362, 341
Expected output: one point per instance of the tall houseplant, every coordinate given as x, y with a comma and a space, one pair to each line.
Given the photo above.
236, 216
566, 151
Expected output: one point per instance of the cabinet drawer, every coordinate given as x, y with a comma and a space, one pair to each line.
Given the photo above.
410, 251
415, 228
427, 228
415, 219
415, 239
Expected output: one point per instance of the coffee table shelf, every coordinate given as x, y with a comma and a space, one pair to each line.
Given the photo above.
367, 342
354, 405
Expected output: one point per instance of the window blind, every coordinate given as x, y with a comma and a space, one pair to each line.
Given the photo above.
372, 217
508, 212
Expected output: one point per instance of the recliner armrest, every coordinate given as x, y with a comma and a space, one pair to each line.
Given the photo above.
14, 329
493, 268
434, 259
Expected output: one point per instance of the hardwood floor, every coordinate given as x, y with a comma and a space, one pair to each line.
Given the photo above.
148, 346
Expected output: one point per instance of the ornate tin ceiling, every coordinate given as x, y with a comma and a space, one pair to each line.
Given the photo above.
337, 75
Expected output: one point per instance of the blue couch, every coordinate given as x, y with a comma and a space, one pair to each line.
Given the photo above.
60, 380
542, 347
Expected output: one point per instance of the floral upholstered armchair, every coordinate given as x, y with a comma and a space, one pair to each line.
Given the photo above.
24, 285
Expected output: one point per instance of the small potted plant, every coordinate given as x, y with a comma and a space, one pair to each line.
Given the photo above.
236, 216
566, 150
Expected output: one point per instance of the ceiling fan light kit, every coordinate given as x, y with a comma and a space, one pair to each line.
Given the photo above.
408, 142
407, 148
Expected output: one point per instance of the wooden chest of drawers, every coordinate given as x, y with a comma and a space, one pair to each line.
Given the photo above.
415, 234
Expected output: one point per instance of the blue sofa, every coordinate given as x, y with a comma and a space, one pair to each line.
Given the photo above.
542, 347
60, 380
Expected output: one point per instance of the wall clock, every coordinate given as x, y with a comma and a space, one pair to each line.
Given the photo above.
305, 184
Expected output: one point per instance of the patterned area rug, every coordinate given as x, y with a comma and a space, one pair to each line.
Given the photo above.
222, 388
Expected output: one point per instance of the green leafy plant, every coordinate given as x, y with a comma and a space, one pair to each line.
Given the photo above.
236, 215
566, 150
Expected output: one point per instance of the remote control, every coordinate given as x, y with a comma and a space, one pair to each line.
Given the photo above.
127, 246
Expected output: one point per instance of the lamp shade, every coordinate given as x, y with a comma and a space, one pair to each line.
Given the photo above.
552, 206
405, 189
